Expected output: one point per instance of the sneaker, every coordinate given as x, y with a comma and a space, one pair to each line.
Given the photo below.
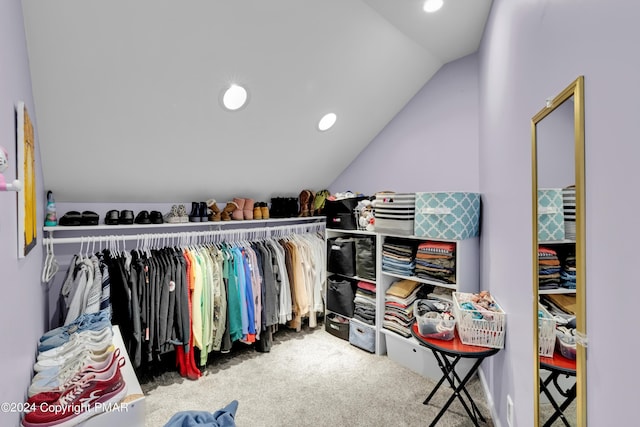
49, 390
62, 359
182, 213
84, 358
92, 340
87, 397
64, 337
81, 323
173, 217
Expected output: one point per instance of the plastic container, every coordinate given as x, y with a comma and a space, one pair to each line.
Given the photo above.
430, 326
566, 349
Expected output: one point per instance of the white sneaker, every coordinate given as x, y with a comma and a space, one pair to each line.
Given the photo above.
173, 216
61, 360
89, 339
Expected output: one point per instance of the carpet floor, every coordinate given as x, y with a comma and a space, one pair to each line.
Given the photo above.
309, 378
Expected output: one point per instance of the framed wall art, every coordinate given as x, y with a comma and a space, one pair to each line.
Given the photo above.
26, 162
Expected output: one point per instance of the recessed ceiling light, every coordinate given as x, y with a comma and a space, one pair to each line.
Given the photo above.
234, 97
327, 121
432, 5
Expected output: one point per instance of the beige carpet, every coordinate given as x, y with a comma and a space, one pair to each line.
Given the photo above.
309, 378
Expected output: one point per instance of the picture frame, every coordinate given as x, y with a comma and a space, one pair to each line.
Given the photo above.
26, 163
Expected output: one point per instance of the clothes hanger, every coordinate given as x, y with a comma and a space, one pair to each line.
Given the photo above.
51, 266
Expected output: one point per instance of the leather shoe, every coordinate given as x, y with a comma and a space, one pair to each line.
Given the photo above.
112, 217
90, 218
126, 217
143, 218
71, 218
156, 217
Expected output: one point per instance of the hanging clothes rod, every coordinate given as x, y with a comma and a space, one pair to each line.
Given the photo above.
238, 233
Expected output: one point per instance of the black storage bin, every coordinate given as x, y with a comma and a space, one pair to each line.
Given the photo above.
340, 295
341, 256
340, 213
365, 258
337, 325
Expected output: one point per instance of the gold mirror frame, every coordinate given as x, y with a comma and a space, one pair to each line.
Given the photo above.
575, 89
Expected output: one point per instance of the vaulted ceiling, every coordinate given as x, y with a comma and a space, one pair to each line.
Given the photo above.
127, 93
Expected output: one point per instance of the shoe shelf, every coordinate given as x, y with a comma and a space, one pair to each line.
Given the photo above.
210, 225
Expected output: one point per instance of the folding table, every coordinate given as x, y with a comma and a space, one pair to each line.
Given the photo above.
448, 354
558, 365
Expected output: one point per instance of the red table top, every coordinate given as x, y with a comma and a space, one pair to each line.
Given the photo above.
454, 347
558, 362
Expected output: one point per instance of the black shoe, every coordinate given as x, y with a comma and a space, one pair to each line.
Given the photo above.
143, 218
71, 218
194, 216
203, 210
126, 217
112, 217
156, 217
90, 218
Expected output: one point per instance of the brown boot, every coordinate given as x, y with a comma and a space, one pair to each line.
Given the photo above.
238, 213
257, 213
215, 214
304, 202
265, 210
228, 210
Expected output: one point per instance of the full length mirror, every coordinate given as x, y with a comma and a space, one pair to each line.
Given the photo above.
558, 251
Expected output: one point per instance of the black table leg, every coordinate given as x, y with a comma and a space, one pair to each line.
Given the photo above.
558, 409
456, 392
451, 367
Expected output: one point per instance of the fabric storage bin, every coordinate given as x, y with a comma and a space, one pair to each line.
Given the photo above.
447, 215
365, 257
394, 212
483, 329
340, 213
550, 214
337, 325
363, 336
340, 295
341, 256
546, 332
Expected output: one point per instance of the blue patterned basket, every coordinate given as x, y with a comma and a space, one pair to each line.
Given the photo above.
447, 215
550, 214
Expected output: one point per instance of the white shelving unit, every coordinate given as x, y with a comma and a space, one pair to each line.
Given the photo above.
406, 351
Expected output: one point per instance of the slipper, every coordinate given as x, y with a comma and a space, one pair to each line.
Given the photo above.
89, 218
112, 217
71, 218
143, 218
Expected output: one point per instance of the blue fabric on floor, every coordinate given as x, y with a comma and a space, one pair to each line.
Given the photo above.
224, 417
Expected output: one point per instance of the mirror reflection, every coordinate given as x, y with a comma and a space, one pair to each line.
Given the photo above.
558, 156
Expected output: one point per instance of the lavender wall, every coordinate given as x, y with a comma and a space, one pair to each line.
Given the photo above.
530, 51
22, 302
431, 145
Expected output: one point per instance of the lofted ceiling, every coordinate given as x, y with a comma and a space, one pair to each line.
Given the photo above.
127, 93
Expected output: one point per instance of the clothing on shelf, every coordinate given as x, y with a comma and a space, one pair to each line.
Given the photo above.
548, 268
365, 303
398, 256
398, 306
436, 261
